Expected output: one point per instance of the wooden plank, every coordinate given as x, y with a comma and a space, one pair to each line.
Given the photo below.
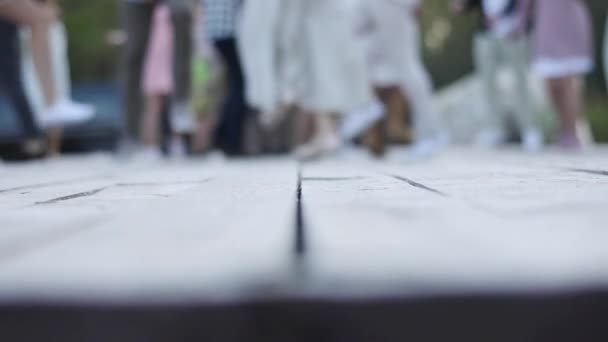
459, 224
61, 203
218, 238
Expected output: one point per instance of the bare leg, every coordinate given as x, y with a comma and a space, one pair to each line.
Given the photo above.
55, 135
566, 96
39, 18
151, 121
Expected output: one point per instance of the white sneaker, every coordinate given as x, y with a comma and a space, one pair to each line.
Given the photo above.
532, 140
177, 149
318, 147
33, 147
490, 138
360, 120
183, 118
66, 112
149, 155
426, 148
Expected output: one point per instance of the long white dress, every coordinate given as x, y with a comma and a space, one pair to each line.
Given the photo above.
304, 52
335, 71
395, 60
258, 45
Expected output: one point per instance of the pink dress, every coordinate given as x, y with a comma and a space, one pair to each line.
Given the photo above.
158, 66
562, 38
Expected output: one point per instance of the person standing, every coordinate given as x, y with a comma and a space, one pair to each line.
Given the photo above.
39, 16
395, 60
258, 38
336, 85
157, 83
221, 26
606, 51
503, 40
54, 124
10, 78
136, 22
563, 53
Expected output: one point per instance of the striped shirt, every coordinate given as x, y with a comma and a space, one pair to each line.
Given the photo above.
221, 18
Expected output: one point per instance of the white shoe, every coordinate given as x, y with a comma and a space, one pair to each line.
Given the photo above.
318, 147
149, 155
357, 122
532, 140
34, 146
177, 149
183, 118
66, 112
490, 138
426, 148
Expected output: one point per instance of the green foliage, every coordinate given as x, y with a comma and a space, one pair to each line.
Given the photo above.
88, 23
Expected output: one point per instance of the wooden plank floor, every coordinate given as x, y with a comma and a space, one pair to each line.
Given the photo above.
490, 246
459, 224
94, 228
136, 233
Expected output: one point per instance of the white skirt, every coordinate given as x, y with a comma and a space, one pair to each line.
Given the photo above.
393, 42
562, 67
336, 70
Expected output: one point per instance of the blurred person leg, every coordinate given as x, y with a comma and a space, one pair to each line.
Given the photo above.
53, 121
10, 77
417, 84
136, 18
487, 64
516, 52
157, 81
563, 53
221, 18
39, 18
151, 126
231, 123
259, 46
567, 97
182, 109
606, 51
338, 82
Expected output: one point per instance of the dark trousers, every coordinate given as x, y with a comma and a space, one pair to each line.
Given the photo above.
137, 19
230, 129
10, 78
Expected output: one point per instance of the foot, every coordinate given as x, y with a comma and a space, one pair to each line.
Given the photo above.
570, 142
149, 155
320, 146
183, 118
34, 147
359, 121
427, 148
532, 140
490, 138
67, 112
177, 149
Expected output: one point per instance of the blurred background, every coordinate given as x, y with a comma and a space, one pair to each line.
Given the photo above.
95, 57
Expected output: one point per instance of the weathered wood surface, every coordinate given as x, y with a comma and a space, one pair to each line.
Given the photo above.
464, 223
150, 233
94, 229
